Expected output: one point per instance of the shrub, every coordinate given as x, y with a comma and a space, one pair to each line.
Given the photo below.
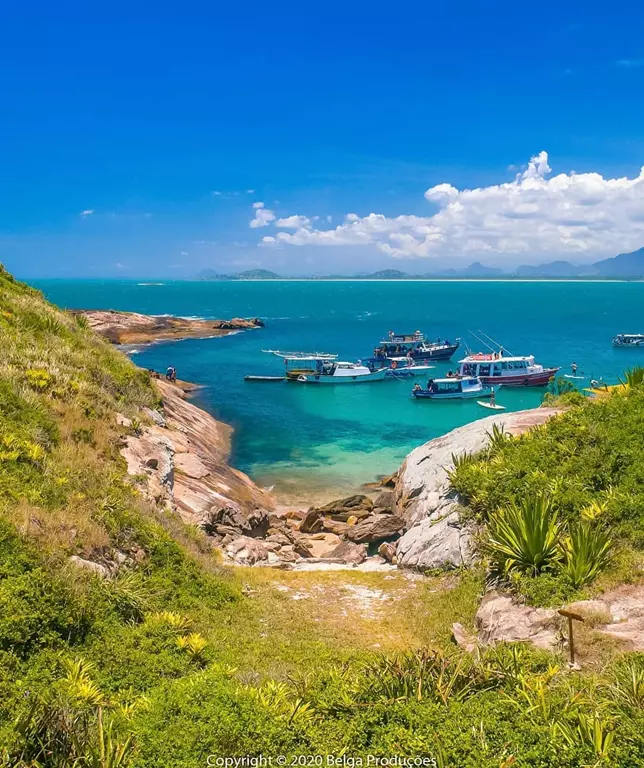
524, 537
586, 552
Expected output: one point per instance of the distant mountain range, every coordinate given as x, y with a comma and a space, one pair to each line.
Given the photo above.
625, 265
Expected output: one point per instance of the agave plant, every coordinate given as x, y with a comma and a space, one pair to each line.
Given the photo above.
524, 537
633, 377
586, 551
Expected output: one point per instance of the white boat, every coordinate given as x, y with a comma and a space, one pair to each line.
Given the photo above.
513, 371
453, 388
629, 340
324, 369
403, 367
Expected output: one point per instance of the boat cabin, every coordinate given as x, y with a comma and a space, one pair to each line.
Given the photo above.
495, 365
324, 365
400, 344
453, 385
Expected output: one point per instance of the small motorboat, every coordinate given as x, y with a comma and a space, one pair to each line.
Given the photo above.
405, 367
325, 369
628, 340
263, 378
453, 388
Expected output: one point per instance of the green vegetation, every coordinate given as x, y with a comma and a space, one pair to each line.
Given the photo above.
565, 501
170, 660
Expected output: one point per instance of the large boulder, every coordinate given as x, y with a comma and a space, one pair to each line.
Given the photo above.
348, 552
375, 528
435, 537
436, 543
500, 619
341, 509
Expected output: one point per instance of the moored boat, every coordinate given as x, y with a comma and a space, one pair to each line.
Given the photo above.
453, 388
415, 346
403, 368
514, 371
327, 370
629, 340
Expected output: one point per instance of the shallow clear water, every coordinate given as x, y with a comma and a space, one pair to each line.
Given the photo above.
329, 439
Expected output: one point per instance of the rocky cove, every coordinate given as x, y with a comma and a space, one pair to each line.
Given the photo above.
178, 456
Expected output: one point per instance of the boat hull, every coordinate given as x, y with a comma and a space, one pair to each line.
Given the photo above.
423, 394
442, 352
315, 378
540, 379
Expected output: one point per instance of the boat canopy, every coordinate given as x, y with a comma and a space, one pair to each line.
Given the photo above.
300, 355
492, 357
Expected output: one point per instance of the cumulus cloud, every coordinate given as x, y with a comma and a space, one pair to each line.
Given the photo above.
87, 213
570, 214
263, 216
294, 222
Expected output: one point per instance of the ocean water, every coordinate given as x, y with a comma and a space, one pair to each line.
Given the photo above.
312, 442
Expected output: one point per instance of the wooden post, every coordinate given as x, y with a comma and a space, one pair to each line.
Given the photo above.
571, 641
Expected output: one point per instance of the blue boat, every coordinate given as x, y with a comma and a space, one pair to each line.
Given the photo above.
415, 346
453, 388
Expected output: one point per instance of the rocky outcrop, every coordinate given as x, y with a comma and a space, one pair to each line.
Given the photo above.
184, 465
618, 614
135, 328
500, 619
434, 536
375, 528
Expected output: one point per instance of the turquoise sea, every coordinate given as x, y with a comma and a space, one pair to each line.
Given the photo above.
310, 441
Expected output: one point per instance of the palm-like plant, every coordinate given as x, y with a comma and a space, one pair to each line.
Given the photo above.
586, 551
524, 537
633, 377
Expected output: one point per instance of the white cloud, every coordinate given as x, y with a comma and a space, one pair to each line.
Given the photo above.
87, 213
573, 215
294, 222
630, 63
263, 216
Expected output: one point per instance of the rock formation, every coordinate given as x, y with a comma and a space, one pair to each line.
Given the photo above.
434, 536
135, 328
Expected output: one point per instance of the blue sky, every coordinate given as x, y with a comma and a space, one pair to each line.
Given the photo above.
165, 123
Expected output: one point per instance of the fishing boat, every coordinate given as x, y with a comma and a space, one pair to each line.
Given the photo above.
414, 345
514, 371
326, 369
453, 388
629, 340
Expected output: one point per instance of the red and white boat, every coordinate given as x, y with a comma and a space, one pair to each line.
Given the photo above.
495, 368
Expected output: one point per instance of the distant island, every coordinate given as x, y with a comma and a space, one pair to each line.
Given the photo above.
624, 266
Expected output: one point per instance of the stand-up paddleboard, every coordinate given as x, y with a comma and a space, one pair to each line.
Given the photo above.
263, 378
570, 376
491, 406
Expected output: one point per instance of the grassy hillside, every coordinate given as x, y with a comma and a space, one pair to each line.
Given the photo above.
173, 658
585, 470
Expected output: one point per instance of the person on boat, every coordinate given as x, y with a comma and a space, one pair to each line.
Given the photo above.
417, 387
573, 368
391, 335
450, 374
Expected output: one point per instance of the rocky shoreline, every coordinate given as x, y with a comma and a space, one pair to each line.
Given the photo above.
412, 522
136, 328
